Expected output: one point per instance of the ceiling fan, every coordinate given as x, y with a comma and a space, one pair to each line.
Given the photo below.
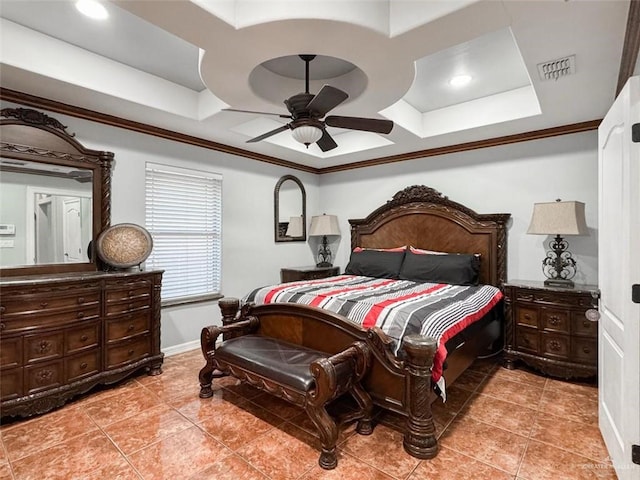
306, 111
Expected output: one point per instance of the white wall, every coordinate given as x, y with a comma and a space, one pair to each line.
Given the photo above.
505, 179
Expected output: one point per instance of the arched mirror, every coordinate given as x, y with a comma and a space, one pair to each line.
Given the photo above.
290, 210
54, 196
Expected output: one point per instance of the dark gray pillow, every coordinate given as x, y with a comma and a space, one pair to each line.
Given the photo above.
375, 263
455, 269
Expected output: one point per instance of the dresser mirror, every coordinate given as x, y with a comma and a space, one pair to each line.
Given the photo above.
54, 196
290, 210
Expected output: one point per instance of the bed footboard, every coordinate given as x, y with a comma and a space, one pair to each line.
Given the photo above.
402, 386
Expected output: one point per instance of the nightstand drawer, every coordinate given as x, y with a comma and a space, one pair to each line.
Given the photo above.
582, 326
527, 339
555, 320
585, 349
555, 345
527, 316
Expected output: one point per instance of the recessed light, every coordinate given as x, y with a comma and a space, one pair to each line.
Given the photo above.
460, 80
92, 9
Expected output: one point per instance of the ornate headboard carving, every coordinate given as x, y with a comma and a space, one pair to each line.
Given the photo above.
424, 218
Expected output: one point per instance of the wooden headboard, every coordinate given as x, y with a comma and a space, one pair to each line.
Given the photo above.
424, 218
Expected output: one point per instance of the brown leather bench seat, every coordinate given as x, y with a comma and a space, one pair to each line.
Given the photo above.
300, 375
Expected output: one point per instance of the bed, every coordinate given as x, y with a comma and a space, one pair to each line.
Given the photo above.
400, 376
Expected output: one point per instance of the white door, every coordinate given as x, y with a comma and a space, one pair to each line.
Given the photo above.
619, 269
72, 230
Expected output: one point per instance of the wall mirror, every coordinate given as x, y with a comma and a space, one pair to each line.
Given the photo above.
290, 210
54, 196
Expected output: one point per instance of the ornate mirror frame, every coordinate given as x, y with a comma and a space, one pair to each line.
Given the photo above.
27, 134
280, 228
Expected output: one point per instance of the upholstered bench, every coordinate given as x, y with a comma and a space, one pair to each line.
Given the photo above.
303, 376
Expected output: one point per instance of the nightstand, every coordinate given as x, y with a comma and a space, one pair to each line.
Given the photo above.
552, 329
294, 274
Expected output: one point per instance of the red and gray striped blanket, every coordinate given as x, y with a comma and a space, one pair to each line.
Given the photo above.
398, 307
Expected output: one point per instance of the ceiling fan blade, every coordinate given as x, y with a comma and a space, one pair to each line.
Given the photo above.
357, 123
253, 111
268, 134
326, 142
327, 98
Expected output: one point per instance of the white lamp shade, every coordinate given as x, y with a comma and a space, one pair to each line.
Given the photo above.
558, 218
294, 229
307, 134
324, 225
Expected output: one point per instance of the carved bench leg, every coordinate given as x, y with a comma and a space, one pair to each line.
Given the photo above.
328, 435
207, 343
365, 424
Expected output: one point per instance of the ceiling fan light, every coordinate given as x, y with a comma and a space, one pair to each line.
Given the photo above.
92, 9
307, 134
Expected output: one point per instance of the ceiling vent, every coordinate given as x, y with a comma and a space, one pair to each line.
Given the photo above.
555, 69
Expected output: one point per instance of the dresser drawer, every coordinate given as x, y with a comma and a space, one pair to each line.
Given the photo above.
129, 351
527, 316
582, 326
81, 365
10, 352
82, 337
527, 339
128, 326
552, 345
554, 320
10, 383
127, 306
43, 303
585, 350
43, 347
129, 291
45, 376
28, 322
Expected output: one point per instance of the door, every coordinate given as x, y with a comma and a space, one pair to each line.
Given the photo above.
619, 269
72, 229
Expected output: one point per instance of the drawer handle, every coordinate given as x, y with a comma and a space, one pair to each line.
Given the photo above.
131, 327
554, 345
2, 326
2, 309
131, 352
586, 324
80, 299
44, 304
131, 306
80, 314
83, 366
84, 338
527, 316
44, 377
586, 349
45, 346
554, 320
526, 341
130, 293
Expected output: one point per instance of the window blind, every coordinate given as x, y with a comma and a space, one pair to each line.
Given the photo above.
184, 217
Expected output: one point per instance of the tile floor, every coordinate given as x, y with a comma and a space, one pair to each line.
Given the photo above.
497, 424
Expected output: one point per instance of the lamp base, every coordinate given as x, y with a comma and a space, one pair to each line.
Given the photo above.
559, 282
324, 264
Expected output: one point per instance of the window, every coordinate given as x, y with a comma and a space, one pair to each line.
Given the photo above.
184, 217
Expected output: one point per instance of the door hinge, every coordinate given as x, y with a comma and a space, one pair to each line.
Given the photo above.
635, 133
635, 454
635, 293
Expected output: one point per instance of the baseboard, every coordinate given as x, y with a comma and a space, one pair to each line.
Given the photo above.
183, 347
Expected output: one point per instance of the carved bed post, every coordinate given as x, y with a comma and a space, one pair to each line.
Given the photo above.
419, 439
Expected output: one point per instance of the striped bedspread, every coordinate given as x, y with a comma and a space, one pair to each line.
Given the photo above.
398, 307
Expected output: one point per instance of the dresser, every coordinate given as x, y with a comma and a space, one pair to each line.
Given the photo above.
552, 329
294, 274
63, 334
